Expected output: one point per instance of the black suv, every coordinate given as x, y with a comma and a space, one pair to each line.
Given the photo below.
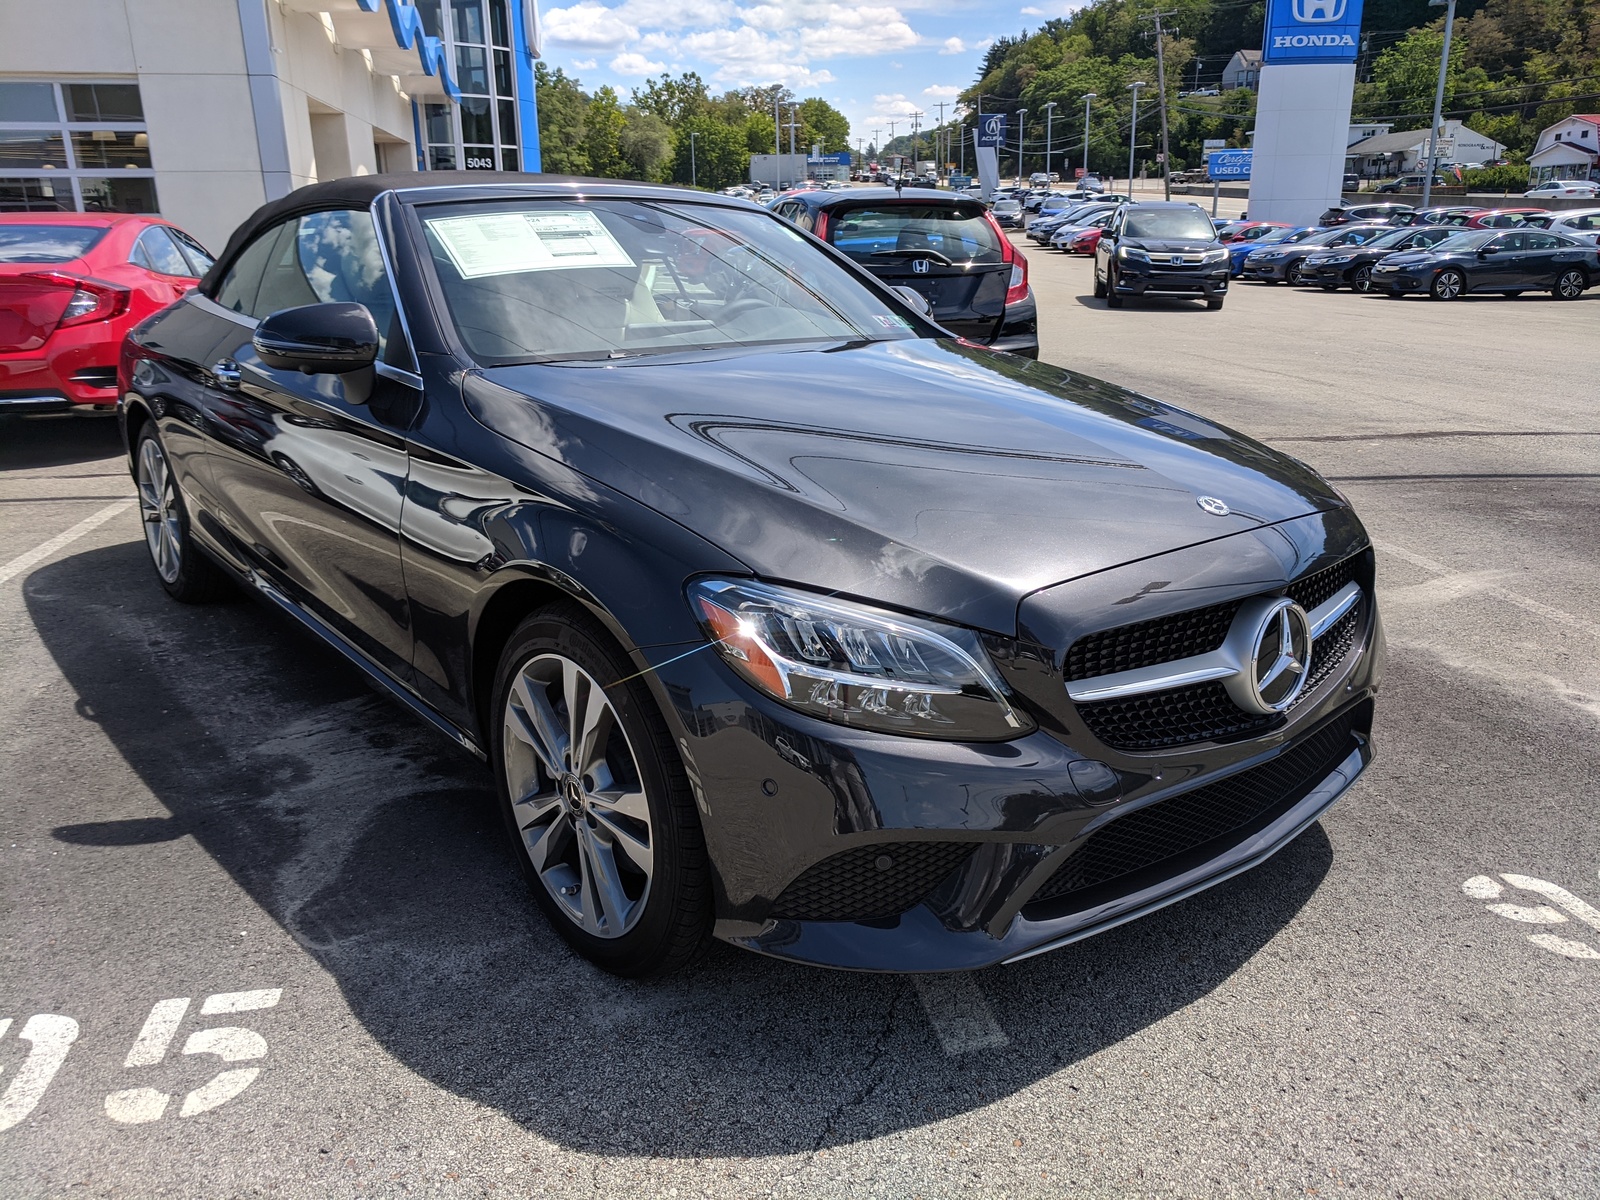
946, 247
1170, 248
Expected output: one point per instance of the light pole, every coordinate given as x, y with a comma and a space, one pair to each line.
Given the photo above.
1022, 123
694, 174
1087, 97
963, 130
1449, 7
1049, 120
1133, 129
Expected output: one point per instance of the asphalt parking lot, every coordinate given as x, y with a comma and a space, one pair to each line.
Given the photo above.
262, 936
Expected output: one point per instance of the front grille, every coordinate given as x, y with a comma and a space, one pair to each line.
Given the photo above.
1164, 639
1169, 828
869, 882
1202, 712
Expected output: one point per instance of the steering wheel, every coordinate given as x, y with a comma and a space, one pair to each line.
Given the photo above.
737, 308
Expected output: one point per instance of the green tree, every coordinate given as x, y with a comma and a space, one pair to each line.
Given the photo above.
824, 123
603, 124
645, 145
674, 100
1406, 74
719, 156
562, 107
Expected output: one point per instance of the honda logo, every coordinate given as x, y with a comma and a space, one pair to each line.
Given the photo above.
1319, 12
919, 266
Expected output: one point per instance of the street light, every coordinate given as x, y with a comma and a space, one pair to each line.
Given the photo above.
1438, 98
694, 174
1087, 97
1022, 122
1049, 119
1133, 129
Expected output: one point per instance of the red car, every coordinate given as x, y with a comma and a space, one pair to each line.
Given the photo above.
1084, 242
71, 285
1248, 231
1502, 218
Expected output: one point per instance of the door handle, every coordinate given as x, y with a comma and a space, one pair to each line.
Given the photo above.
226, 372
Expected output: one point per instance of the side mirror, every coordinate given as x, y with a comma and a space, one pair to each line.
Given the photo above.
318, 339
915, 299
1483, 254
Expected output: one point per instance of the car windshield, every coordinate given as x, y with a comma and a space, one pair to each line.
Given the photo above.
1188, 224
1470, 240
541, 281
1281, 235
957, 232
47, 243
1393, 238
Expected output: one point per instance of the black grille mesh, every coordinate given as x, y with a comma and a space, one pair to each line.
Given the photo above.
1172, 827
1129, 647
853, 886
1203, 712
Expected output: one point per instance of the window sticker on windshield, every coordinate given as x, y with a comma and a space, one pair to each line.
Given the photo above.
503, 243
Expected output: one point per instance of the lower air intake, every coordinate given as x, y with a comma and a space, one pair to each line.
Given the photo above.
870, 882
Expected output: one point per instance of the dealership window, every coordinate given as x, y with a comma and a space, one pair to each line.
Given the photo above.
79, 146
480, 133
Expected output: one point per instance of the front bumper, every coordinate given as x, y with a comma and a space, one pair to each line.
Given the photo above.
1138, 279
1328, 276
846, 849
1269, 272
1398, 280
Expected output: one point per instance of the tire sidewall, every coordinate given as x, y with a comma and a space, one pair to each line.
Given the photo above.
1577, 292
1461, 285
567, 631
197, 578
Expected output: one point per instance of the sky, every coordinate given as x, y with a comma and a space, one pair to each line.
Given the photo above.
874, 62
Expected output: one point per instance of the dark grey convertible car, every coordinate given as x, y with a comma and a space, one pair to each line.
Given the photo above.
780, 614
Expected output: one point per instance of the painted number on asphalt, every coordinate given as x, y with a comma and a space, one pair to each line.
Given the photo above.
1566, 907
51, 1037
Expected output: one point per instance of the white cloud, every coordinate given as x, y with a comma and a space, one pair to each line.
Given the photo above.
630, 63
1031, 11
588, 24
845, 29
942, 92
584, 64
954, 45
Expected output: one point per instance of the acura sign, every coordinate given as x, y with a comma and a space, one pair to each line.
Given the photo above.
1312, 31
992, 129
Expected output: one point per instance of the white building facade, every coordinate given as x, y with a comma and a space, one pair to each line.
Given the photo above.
202, 110
1569, 149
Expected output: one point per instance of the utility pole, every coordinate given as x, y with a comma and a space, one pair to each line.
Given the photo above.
1088, 96
962, 130
1022, 124
1049, 121
916, 118
877, 145
891, 125
694, 174
1438, 98
941, 154
1161, 86
794, 113
1133, 129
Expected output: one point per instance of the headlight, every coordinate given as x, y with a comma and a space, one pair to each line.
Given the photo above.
1268, 255
1337, 258
1216, 256
855, 665
1132, 252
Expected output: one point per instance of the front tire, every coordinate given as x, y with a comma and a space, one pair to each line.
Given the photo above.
1361, 281
1099, 287
1295, 275
188, 576
1112, 299
1570, 285
596, 799
1447, 285
1214, 304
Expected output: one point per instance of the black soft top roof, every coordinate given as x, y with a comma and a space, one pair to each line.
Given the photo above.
359, 191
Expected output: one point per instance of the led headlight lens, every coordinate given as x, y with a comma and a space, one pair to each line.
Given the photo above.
1336, 258
1215, 256
1132, 252
855, 665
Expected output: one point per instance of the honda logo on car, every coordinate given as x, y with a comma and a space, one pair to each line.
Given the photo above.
1312, 31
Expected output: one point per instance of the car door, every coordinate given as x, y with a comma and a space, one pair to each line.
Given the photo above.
1498, 263
1542, 258
309, 471
157, 253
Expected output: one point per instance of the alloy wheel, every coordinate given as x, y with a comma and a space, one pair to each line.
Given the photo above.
1447, 286
1570, 285
158, 506
1361, 281
578, 796
1296, 273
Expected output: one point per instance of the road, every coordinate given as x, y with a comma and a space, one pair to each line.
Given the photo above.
213, 826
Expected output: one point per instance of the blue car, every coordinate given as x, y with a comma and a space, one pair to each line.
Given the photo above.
1238, 250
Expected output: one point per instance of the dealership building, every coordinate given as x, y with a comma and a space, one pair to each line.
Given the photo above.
202, 110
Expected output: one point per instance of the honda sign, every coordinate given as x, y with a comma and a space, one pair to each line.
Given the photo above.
1312, 31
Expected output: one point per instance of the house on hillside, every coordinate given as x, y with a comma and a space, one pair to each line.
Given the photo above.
1568, 149
1391, 154
1243, 71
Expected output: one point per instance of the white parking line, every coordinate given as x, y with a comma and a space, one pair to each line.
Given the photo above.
959, 1014
45, 549
1476, 582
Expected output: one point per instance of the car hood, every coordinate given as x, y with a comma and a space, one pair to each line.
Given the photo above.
1172, 245
930, 475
